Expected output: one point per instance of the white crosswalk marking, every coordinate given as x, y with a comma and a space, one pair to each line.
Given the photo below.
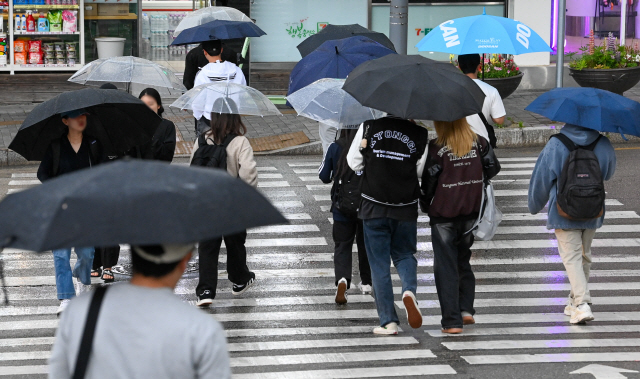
288, 325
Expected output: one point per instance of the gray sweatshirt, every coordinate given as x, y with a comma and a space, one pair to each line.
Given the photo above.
142, 333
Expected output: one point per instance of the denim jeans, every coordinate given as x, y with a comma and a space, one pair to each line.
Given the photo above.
387, 239
454, 279
82, 270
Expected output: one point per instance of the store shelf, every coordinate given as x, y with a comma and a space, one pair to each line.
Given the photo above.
46, 33
130, 16
28, 6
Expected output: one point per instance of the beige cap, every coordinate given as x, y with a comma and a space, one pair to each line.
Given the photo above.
163, 254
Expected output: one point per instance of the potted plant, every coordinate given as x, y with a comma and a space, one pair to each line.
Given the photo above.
610, 67
501, 72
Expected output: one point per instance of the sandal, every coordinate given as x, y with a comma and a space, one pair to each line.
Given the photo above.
107, 272
96, 273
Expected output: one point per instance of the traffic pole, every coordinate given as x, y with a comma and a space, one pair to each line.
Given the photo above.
562, 12
623, 22
399, 24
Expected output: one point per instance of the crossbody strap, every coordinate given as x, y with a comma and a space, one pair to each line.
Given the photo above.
86, 344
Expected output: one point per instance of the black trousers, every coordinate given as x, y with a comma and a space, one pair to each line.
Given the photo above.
106, 257
343, 235
454, 278
209, 251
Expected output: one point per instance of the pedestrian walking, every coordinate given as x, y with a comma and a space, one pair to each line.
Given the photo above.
71, 152
492, 108
345, 201
391, 152
458, 163
103, 261
161, 336
163, 142
576, 161
195, 60
216, 70
225, 147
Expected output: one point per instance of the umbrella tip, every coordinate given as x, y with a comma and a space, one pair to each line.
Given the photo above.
484, 10
337, 52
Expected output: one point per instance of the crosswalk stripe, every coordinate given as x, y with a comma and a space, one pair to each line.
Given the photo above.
322, 197
538, 244
14, 190
504, 193
347, 314
350, 373
269, 176
515, 173
305, 171
317, 344
306, 331
285, 229
310, 164
553, 358
543, 216
25, 175
517, 165
557, 329
297, 216
510, 181
309, 178
519, 159
266, 168
24, 182
542, 344
24, 355
28, 324
288, 204
318, 187
539, 229
278, 194
17, 342
300, 359
549, 287
273, 242
23, 370
273, 184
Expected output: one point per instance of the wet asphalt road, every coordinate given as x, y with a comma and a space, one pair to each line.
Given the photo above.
288, 325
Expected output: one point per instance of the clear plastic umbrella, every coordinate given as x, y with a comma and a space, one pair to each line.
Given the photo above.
204, 15
225, 97
324, 100
129, 70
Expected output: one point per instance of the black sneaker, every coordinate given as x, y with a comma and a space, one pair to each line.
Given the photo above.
239, 289
204, 299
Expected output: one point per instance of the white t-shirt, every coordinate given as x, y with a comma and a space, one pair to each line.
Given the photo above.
491, 108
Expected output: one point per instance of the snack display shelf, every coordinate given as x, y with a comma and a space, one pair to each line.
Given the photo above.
41, 6
130, 16
21, 33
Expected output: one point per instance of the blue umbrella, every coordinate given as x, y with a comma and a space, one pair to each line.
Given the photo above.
590, 108
483, 34
218, 29
335, 59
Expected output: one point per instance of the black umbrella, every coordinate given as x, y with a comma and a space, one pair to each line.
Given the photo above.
414, 87
135, 202
118, 120
332, 32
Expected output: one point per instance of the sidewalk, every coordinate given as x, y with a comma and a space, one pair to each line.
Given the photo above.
11, 116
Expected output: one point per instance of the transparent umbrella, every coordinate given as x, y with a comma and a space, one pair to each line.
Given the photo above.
225, 97
209, 14
128, 71
324, 100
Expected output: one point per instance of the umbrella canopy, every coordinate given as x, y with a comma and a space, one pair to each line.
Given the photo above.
218, 29
204, 15
118, 120
335, 59
128, 70
135, 202
333, 32
414, 87
483, 34
326, 101
224, 97
591, 108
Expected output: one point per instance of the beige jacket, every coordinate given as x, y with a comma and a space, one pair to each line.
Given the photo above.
240, 161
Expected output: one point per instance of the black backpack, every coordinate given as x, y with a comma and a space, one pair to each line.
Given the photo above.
345, 192
214, 156
580, 186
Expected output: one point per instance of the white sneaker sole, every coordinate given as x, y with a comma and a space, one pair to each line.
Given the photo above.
582, 320
204, 302
341, 293
385, 332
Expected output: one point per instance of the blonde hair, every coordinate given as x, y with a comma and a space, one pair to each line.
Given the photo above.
456, 135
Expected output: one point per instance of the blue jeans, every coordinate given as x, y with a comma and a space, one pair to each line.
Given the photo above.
387, 239
82, 270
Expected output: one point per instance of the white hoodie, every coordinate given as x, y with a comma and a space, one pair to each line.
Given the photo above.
218, 72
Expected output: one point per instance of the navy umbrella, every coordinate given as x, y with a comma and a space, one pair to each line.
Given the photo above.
333, 32
591, 108
218, 29
335, 59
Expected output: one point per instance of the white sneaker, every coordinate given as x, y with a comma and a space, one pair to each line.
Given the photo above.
365, 288
414, 317
63, 305
341, 292
81, 288
389, 329
568, 309
581, 314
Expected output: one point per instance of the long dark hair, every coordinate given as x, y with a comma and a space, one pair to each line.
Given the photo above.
223, 124
156, 96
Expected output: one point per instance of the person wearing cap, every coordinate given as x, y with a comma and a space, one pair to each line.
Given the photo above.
159, 336
71, 152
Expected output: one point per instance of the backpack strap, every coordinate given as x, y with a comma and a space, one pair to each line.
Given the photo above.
86, 344
566, 141
228, 139
55, 165
490, 131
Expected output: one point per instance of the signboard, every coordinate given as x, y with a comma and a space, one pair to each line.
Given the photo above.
289, 22
424, 18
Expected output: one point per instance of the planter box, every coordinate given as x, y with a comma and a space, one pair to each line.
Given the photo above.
505, 86
616, 80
